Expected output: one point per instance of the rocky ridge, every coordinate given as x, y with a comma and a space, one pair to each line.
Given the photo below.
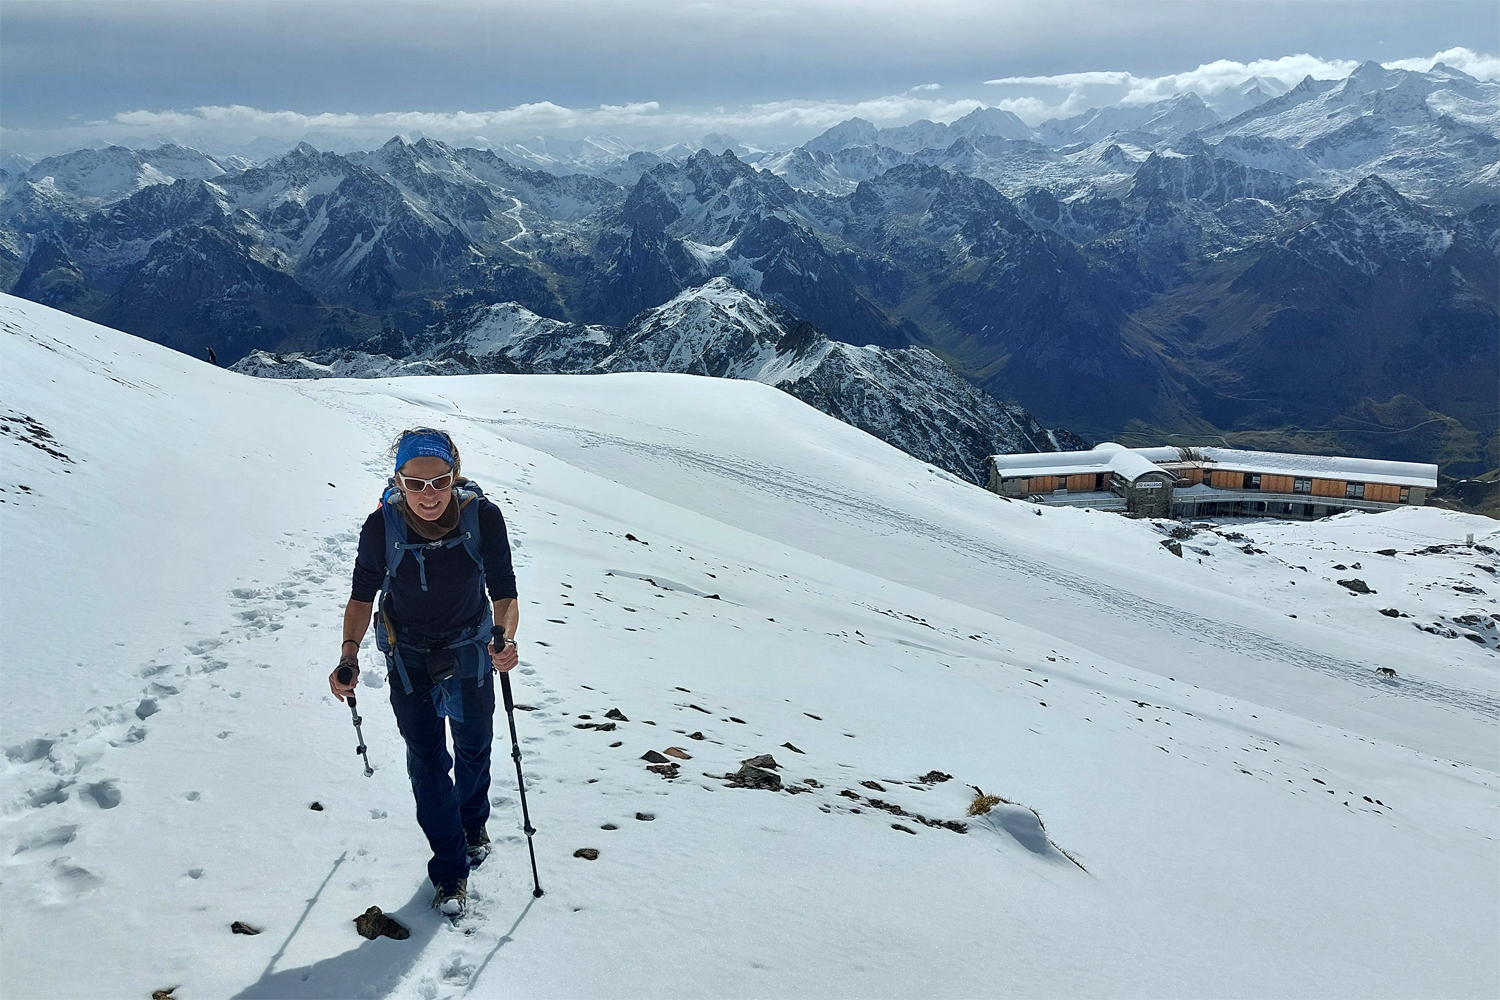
908, 398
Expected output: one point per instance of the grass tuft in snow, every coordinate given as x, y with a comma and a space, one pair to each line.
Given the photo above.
984, 803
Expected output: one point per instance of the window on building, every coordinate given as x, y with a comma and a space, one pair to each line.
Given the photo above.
1301, 485
1252, 481
1405, 494
1099, 483
1354, 491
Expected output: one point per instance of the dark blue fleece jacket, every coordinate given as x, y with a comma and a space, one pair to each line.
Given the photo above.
453, 599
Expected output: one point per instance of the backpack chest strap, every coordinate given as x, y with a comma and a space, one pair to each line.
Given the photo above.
418, 551
397, 546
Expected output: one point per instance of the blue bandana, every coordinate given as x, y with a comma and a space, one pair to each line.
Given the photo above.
426, 444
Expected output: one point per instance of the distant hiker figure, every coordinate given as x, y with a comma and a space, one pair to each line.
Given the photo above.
213, 358
428, 554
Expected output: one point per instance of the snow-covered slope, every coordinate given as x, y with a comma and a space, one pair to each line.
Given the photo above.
1257, 90
89, 178
835, 172
343, 363
1257, 810
507, 334
594, 154
1166, 119
921, 134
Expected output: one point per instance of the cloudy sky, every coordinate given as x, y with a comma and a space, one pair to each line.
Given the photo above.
225, 73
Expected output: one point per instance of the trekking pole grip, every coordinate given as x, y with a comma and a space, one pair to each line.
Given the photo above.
345, 675
497, 637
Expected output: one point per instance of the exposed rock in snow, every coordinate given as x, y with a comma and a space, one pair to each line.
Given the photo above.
1202, 177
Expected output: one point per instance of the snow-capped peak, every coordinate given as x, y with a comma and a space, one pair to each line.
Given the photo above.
98, 177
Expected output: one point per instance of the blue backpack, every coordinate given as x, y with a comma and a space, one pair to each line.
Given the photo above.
467, 495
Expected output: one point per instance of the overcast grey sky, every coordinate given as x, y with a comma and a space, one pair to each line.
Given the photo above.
76, 73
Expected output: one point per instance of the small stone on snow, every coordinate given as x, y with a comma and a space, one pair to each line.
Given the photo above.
373, 923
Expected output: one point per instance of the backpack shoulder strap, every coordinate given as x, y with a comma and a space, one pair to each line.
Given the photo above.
395, 536
468, 523
468, 497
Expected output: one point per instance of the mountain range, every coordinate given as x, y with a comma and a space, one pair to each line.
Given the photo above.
1314, 269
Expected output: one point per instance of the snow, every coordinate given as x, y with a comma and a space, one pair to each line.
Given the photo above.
496, 327
171, 610
102, 176
1323, 466
342, 364
708, 256
1420, 131
1131, 463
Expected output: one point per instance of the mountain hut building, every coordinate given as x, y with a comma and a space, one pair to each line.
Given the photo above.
1210, 482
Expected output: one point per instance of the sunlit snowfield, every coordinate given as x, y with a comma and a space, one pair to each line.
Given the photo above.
1235, 802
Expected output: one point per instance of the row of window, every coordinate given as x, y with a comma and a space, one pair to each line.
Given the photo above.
1352, 491
1252, 482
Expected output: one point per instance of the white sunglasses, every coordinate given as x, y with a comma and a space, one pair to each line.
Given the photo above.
413, 485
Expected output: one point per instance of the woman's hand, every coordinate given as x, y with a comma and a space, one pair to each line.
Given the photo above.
341, 690
505, 660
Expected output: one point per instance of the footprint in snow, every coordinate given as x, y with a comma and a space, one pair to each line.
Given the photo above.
73, 881
50, 796
58, 836
105, 794
31, 750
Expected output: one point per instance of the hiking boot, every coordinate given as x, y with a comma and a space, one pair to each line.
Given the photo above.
479, 846
452, 899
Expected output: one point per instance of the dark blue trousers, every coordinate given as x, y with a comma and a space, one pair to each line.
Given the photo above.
448, 806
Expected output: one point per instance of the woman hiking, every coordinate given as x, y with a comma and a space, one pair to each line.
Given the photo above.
428, 554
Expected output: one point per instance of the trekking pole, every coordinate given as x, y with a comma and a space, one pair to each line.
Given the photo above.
515, 755
345, 675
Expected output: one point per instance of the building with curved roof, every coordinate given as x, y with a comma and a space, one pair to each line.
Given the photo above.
1210, 482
